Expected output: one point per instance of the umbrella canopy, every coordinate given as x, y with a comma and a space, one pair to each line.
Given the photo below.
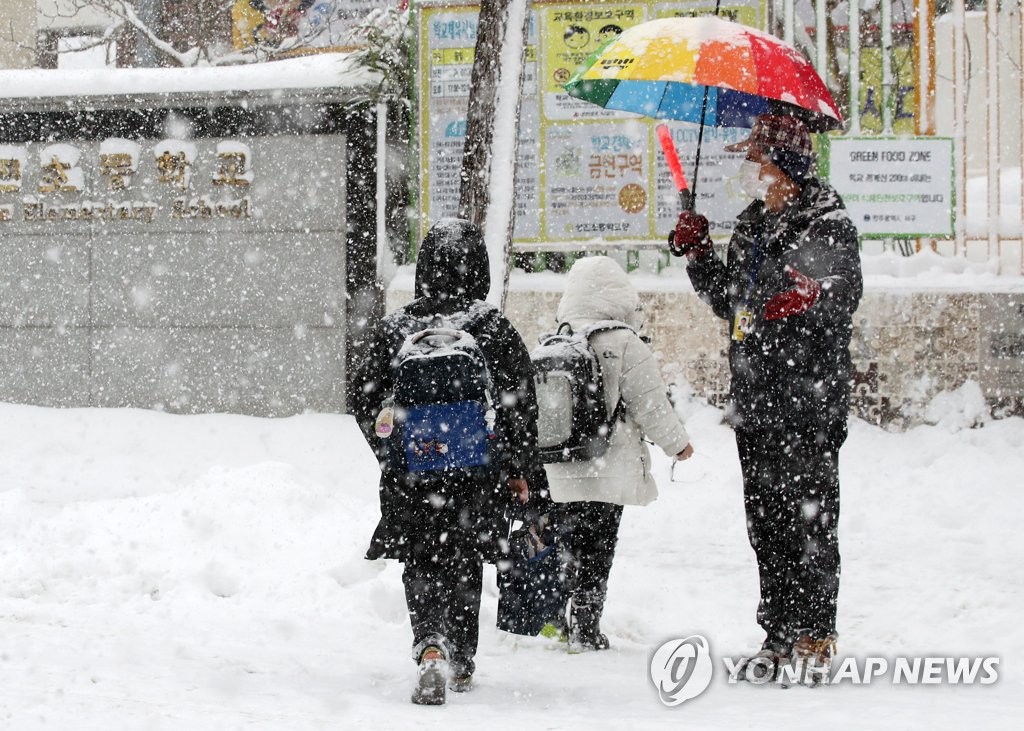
661, 69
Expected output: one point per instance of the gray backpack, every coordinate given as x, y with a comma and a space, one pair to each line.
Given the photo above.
573, 423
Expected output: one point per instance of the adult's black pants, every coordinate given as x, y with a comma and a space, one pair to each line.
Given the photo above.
791, 499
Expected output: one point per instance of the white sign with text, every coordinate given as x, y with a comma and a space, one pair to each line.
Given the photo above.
894, 186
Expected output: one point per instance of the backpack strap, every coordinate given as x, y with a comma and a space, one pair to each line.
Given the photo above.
604, 326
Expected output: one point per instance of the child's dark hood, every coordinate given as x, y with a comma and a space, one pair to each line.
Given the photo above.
452, 262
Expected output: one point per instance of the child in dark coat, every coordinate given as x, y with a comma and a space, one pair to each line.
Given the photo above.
444, 524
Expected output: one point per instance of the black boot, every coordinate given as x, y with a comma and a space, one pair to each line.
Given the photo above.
763, 666
585, 628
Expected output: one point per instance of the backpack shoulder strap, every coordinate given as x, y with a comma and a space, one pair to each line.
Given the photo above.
470, 318
605, 326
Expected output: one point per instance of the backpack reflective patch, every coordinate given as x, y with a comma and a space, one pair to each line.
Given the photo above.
443, 414
554, 408
573, 423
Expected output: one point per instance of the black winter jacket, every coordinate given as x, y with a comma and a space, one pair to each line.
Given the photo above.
792, 373
417, 509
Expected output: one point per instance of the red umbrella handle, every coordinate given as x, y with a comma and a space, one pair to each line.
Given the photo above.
675, 167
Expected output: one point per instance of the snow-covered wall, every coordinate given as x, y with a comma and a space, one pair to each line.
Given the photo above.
184, 272
186, 242
327, 76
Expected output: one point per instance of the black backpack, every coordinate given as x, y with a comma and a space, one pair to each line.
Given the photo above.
443, 410
573, 423
530, 582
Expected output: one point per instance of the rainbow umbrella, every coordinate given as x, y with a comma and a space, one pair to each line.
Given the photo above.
663, 68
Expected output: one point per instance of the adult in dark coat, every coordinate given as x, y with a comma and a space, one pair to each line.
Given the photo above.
443, 525
788, 289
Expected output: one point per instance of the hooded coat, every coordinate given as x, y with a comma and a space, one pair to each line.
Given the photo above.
790, 374
597, 289
419, 509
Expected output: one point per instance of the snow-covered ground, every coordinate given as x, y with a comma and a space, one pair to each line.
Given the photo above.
206, 572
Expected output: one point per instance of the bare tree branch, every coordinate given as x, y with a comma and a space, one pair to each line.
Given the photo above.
382, 37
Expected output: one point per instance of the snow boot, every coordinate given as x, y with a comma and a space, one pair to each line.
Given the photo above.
431, 679
460, 683
584, 629
812, 659
461, 678
763, 666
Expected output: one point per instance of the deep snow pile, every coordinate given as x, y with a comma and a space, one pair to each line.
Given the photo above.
205, 572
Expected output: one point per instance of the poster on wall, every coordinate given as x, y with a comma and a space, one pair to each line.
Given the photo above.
718, 194
447, 53
447, 48
903, 92
571, 33
586, 174
596, 182
299, 25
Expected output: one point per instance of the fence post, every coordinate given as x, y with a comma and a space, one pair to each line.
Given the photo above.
886, 68
924, 50
788, 20
1020, 127
821, 39
992, 120
959, 42
854, 67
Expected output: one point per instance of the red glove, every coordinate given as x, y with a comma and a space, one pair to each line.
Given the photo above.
794, 301
690, 239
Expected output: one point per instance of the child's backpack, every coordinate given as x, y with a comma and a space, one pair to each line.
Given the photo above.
573, 423
443, 410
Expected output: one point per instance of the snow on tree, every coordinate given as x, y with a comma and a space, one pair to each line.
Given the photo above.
221, 32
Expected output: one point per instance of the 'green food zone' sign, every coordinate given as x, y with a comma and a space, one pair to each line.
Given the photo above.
893, 187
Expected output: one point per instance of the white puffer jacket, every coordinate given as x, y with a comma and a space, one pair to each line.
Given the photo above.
597, 288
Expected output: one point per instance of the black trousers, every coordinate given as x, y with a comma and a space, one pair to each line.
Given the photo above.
586, 534
442, 593
791, 498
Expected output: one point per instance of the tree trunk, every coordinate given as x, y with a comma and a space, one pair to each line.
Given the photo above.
476, 156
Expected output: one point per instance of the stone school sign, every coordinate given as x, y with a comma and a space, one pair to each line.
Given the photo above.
184, 250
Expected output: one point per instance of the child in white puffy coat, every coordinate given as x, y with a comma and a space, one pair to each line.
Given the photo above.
589, 495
